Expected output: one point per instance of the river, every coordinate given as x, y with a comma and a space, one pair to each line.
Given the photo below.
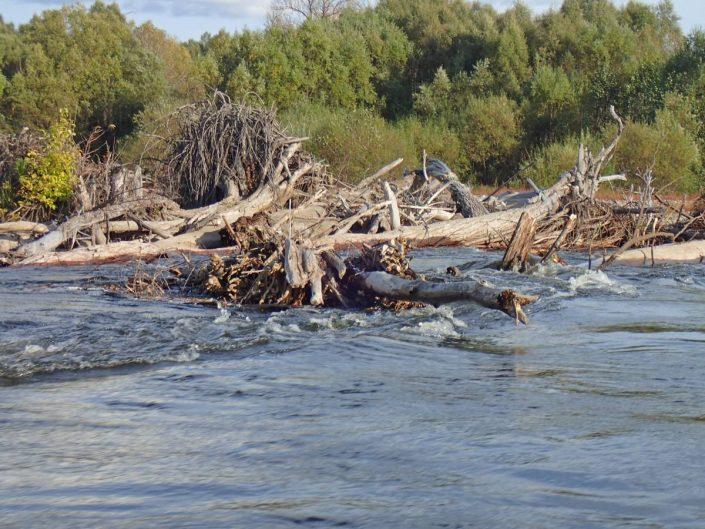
121, 413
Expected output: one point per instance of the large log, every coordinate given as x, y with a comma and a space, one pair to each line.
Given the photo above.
680, 252
474, 231
65, 231
480, 292
206, 238
7, 245
23, 227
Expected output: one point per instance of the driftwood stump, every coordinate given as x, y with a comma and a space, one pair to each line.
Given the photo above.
517, 254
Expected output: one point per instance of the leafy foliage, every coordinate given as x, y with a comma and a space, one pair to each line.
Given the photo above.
492, 92
47, 177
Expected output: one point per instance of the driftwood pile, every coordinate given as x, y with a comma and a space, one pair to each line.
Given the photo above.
235, 184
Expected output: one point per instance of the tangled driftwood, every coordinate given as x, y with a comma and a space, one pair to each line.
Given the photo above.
375, 277
281, 221
222, 150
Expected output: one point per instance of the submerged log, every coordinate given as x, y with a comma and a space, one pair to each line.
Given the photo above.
480, 292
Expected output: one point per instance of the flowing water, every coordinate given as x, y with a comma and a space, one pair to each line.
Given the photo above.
119, 413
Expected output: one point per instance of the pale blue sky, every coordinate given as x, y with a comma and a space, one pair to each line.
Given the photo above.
190, 18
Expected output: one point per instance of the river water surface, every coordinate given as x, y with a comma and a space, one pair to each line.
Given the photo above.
119, 413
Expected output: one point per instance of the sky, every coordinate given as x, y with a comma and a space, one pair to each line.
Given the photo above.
187, 19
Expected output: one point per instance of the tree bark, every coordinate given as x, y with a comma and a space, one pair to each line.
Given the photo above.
68, 229
23, 227
517, 253
480, 292
679, 252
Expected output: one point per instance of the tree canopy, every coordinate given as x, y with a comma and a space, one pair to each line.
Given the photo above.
507, 89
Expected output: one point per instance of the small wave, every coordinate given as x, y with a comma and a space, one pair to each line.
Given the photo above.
35, 359
276, 324
223, 317
598, 280
438, 322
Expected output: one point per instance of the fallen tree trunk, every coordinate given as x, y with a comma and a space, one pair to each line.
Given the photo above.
23, 227
206, 238
480, 292
474, 231
52, 240
680, 252
119, 227
6, 245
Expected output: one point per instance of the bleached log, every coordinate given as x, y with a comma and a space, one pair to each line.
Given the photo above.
679, 252
367, 212
567, 228
119, 227
334, 261
23, 227
98, 235
517, 253
393, 207
365, 182
7, 245
206, 238
437, 215
150, 226
293, 265
480, 292
315, 277
613, 178
121, 251
68, 229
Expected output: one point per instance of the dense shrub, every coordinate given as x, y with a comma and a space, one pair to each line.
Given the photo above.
490, 132
47, 177
550, 161
357, 143
666, 148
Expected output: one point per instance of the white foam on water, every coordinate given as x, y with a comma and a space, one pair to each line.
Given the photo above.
436, 328
224, 316
598, 280
189, 355
439, 322
274, 325
342, 320
33, 350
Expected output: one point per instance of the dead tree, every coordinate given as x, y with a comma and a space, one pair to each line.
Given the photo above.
293, 11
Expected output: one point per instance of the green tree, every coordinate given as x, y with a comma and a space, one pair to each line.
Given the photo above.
85, 60
183, 76
551, 107
511, 62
